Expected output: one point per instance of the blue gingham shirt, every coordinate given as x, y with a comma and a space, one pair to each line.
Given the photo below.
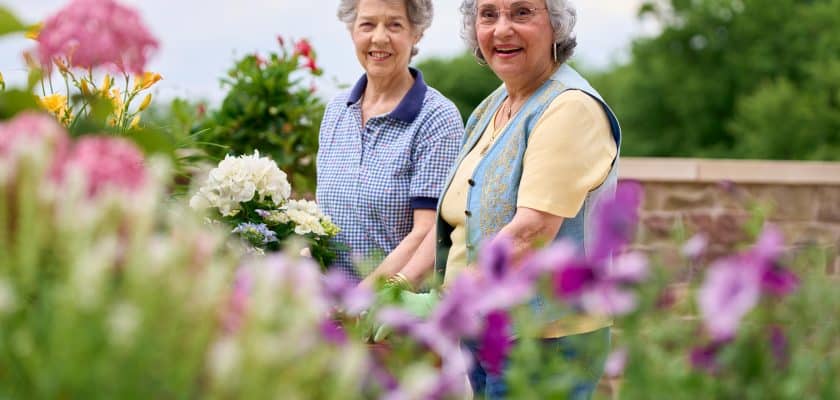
371, 178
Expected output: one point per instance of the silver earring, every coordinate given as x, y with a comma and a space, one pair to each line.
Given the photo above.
554, 52
478, 57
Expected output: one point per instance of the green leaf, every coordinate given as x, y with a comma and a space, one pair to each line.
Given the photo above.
15, 101
9, 23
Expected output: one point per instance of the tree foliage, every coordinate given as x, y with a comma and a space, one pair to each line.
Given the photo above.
732, 78
723, 78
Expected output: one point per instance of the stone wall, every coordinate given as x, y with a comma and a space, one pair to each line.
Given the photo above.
719, 196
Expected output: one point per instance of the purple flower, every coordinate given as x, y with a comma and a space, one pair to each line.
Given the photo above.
495, 341
255, 233
705, 358
734, 285
695, 247
606, 298
346, 294
777, 281
616, 361
332, 332
494, 260
779, 345
730, 291
616, 220
571, 281
601, 288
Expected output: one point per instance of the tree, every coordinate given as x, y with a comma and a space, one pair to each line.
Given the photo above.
732, 78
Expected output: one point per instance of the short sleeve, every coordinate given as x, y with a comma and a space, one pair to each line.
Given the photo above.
435, 153
570, 152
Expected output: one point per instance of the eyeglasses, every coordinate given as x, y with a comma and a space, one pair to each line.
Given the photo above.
518, 14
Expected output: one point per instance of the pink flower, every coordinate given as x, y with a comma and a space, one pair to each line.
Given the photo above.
108, 162
237, 306
97, 33
616, 362
30, 129
303, 48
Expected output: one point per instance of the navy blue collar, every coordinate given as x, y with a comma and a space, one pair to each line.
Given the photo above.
410, 105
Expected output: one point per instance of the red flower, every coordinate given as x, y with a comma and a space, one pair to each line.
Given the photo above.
311, 65
302, 47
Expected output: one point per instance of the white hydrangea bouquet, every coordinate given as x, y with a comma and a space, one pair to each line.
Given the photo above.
251, 194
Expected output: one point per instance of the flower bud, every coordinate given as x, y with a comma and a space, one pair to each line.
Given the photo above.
135, 122
83, 86
146, 101
34, 31
146, 81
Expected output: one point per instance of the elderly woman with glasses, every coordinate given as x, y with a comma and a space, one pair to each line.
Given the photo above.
538, 154
386, 145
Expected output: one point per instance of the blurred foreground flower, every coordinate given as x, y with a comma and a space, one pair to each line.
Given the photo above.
734, 284
97, 33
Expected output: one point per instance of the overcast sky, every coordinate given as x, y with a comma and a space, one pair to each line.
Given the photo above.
200, 38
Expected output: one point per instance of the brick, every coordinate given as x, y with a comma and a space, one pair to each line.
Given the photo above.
829, 204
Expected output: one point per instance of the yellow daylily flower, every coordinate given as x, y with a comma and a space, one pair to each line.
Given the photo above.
106, 84
135, 122
146, 101
146, 81
54, 102
57, 105
34, 31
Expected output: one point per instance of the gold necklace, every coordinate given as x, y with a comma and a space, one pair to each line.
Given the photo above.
497, 130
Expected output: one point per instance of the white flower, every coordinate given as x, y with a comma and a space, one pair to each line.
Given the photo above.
122, 323
224, 357
240, 179
306, 216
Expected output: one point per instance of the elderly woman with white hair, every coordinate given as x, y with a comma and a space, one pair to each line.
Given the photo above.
538, 154
386, 145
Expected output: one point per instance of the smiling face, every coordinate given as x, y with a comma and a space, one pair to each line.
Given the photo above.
518, 49
383, 37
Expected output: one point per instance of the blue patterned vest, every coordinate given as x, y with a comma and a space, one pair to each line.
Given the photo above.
491, 201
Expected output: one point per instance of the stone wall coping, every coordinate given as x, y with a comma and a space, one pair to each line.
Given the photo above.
652, 169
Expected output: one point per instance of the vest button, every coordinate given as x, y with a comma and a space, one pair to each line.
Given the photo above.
471, 182
468, 213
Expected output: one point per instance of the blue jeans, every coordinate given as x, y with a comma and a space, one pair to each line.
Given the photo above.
585, 354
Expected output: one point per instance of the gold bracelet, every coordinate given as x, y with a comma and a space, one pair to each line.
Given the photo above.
400, 280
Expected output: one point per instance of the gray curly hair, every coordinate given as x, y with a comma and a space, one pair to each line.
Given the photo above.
561, 13
420, 13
